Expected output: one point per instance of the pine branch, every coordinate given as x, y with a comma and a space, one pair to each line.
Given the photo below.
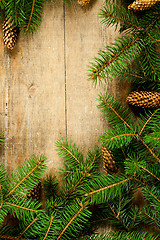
107, 187
153, 175
70, 222
93, 160
27, 176
114, 14
76, 186
152, 195
22, 208
50, 223
13, 10
115, 58
104, 188
148, 120
33, 15
115, 139
19, 237
70, 153
149, 149
118, 218
114, 111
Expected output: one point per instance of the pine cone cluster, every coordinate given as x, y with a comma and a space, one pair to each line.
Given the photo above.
10, 34
83, 2
108, 161
141, 5
144, 99
35, 193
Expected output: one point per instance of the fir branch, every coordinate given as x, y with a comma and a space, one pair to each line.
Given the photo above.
2, 138
114, 138
30, 18
107, 187
117, 217
123, 135
70, 222
132, 77
148, 148
140, 133
32, 15
158, 200
20, 207
153, 175
76, 185
30, 171
26, 176
134, 219
155, 220
70, 153
51, 220
19, 237
114, 111
113, 58
154, 39
114, 14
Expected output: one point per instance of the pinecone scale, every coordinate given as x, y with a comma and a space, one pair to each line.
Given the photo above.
144, 99
83, 2
108, 161
142, 5
10, 34
35, 193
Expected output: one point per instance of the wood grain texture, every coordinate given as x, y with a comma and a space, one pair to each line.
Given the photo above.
44, 92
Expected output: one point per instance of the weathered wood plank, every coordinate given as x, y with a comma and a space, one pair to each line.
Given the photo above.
44, 92
85, 36
32, 91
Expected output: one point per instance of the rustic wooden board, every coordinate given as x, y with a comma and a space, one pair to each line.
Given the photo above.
44, 92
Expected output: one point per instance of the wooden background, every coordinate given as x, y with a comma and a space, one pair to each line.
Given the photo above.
44, 92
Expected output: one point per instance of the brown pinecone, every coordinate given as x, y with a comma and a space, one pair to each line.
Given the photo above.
10, 34
83, 2
141, 5
144, 99
108, 161
35, 193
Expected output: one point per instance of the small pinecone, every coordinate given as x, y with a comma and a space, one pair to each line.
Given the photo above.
144, 99
35, 193
141, 5
108, 161
10, 34
83, 2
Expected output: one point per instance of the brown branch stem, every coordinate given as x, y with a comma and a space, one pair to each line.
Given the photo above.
48, 227
25, 177
29, 22
147, 122
27, 227
70, 222
71, 154
28, 209
116, 113
107, 187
